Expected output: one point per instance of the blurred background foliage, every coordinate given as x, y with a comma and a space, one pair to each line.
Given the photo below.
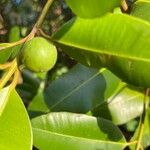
23, 14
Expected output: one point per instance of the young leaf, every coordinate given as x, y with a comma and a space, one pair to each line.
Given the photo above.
15, 128
117, 41
67, 131
94, 8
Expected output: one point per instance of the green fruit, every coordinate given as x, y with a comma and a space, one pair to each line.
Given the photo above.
39, 55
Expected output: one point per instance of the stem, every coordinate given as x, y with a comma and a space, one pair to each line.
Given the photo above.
43, 14
5, 66
44, 34
15, 79
124, 5
130, 143
142, 122
30, 36
7, 76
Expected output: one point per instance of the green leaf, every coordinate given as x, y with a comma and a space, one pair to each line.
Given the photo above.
67, 131
77, 91
15, 128
96, 8
5, 51
83, 90
141, 9
4, 55
38, 105
121, 107
117, 41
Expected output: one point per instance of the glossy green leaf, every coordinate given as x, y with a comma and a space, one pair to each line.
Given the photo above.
141, 9
67, 131
15, 128
121, 107
94, 8
77, 91
117, 41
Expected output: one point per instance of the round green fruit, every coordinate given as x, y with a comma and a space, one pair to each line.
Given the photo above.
39, 55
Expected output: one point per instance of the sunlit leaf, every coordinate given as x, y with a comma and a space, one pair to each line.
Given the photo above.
15, 128
67, 131
122, 107
118, 41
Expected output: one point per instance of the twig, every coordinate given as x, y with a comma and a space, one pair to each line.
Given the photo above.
7, 76
141, 130
124, 5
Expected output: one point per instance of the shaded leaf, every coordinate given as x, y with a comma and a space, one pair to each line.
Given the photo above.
77, 91
67, 131
30, 85
84, 90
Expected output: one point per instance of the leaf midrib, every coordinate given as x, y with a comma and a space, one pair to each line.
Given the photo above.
75, 89
102, 52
